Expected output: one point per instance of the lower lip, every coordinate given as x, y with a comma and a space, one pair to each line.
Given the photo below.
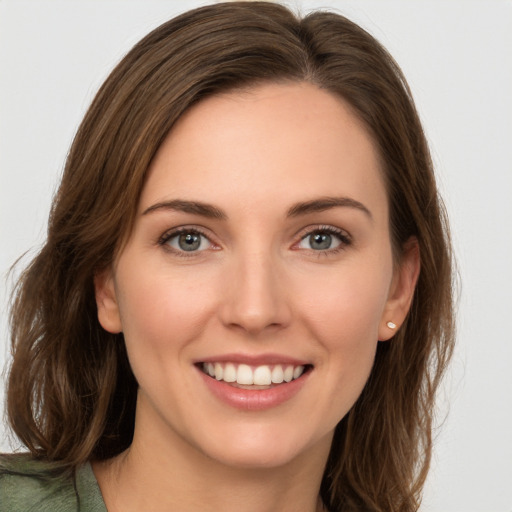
254, 400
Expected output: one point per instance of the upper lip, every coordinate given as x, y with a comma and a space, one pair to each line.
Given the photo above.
255, 359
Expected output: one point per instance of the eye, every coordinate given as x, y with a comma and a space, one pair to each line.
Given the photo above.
324, 239
186, 240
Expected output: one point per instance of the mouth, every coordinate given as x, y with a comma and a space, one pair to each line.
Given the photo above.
257, 377
254, 383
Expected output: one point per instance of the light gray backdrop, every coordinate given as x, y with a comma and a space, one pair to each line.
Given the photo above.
458, 59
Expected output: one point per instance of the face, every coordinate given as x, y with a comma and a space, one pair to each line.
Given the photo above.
258, 277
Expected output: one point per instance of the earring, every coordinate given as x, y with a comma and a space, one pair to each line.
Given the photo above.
391, 325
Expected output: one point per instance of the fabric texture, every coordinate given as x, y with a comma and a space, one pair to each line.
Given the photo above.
28, 485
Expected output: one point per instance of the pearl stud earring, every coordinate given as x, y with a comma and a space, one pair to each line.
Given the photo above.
391, 325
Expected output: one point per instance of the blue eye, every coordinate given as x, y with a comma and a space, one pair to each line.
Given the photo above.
187, 241
324, 240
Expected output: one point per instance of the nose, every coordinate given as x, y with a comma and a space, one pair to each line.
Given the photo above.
255, 299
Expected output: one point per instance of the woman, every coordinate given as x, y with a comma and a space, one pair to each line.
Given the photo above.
244, 301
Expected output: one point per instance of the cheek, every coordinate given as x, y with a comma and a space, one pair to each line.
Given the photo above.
346, 306
344, 321
343, 312
161, 311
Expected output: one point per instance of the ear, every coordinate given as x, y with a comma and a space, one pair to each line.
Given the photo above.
401, 291
106, 301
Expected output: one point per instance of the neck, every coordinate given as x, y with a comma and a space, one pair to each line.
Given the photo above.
165, 473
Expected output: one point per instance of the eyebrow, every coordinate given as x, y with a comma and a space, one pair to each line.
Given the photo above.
298, 209
194, 207
326, 203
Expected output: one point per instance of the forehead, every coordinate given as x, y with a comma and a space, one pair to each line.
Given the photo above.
270, 144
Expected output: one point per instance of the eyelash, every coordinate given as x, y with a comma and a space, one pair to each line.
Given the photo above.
169, 235
343, 237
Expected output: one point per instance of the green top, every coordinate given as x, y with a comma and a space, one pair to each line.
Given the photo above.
28, 485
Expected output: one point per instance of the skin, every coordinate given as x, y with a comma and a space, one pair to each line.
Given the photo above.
257, 285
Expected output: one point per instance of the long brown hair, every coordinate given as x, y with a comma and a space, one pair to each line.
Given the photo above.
71, 393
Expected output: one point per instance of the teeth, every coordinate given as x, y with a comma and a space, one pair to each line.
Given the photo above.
219, 371
230, 373
297, 372
277, 374
262, 376
244, 374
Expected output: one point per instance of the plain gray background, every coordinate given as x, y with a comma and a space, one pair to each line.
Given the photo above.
457, 57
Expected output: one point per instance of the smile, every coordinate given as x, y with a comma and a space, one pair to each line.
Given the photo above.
246, 375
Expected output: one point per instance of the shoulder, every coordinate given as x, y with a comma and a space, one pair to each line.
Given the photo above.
30, 485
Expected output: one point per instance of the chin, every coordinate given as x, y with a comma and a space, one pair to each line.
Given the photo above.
265, 448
